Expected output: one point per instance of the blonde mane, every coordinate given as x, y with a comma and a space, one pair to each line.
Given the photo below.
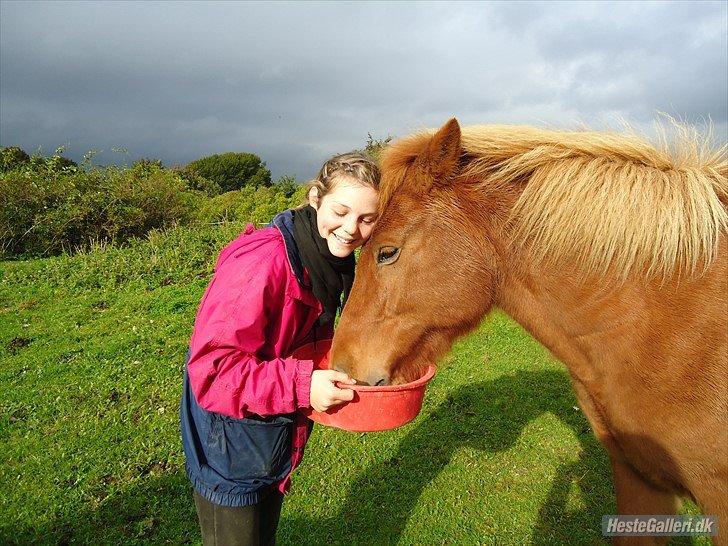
613, 201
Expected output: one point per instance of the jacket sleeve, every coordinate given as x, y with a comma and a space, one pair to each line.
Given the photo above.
235, 327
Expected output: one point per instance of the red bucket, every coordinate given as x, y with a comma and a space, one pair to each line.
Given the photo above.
373, 408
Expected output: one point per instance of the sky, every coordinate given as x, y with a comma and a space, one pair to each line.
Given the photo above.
298, 82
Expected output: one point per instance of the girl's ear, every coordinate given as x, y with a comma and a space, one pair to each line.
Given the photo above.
313, 197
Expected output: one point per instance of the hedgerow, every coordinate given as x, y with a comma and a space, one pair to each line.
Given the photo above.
50, 205
256, 205
46, 211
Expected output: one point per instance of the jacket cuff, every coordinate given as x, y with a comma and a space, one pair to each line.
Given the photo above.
304, 369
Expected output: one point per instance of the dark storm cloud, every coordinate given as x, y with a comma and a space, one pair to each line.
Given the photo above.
298, 82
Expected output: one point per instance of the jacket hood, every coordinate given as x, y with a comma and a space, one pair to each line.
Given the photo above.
284, 223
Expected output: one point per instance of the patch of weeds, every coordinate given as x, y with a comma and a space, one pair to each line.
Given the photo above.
70, 356
116, 396
101, 305
147, 527
10, 416
18, 414
27, 304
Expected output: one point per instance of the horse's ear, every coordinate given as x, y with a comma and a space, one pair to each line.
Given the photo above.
441, 160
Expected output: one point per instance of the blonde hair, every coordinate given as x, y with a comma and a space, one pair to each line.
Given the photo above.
353, 165
614, 201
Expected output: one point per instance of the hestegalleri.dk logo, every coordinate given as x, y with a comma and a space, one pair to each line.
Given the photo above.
659, 525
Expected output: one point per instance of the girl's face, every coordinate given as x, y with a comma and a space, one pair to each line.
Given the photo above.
346, 215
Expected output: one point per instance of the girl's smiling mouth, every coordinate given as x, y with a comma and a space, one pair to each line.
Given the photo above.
342, 240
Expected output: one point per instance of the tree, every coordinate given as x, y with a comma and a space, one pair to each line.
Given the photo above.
232, 170
287, 185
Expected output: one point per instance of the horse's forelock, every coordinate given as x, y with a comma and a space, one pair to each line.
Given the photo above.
420, 160
396, 160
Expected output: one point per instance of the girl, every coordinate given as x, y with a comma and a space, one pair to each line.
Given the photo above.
274, 290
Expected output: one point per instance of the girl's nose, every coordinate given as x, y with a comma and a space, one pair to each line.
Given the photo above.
350, 227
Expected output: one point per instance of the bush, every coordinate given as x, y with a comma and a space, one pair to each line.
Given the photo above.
12, 158
256, 205
55, 163
48, 205
375, 147
287, 185
47, 212
145, 166
232, 171
195, 181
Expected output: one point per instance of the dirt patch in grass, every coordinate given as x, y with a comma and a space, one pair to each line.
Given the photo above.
14, 345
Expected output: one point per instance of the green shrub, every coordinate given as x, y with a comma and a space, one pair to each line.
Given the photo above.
287, 185
195, 181
55, 163
47, 212
232, 171
375, 147
145, 166
12, 158
256, 205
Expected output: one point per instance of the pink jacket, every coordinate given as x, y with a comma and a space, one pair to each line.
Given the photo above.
253, 315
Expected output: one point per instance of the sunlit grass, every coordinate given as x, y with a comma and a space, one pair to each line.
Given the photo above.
92, 350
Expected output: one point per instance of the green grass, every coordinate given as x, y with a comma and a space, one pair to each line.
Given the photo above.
92, 349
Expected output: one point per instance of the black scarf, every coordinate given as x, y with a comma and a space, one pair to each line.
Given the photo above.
330, 275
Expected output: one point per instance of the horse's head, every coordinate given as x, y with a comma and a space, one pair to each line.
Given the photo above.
428, 272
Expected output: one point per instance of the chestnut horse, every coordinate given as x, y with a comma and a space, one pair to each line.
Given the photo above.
608, 250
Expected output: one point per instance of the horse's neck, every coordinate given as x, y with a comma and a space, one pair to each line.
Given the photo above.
596, 327
588, 325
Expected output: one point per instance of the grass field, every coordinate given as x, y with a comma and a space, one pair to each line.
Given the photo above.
92, 349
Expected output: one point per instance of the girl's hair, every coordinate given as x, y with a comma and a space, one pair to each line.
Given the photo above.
353, 165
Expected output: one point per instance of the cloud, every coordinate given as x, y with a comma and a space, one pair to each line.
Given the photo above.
298, 82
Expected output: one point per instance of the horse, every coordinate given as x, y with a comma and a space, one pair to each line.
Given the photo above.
609, 250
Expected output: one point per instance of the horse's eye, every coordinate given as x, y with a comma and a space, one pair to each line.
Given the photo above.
387, 255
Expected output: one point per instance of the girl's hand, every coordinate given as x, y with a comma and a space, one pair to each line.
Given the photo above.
324, 394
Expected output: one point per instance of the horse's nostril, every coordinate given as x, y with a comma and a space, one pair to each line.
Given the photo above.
378, 380
374, 380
